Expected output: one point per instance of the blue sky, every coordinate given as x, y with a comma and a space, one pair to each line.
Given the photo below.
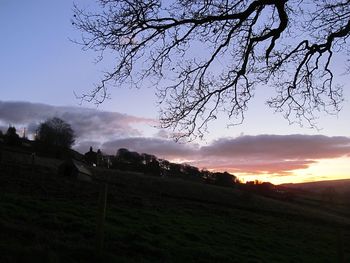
39, 64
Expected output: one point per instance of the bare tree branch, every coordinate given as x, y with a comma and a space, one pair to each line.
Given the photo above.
286, 44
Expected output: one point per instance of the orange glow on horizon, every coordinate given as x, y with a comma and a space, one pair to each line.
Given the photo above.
322, 170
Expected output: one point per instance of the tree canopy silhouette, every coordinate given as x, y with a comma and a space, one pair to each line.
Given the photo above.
206, 57
55, 132
11, 137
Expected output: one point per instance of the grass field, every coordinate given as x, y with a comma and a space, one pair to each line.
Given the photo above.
45, 217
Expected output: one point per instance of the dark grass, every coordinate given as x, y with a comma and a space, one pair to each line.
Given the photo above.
47, 218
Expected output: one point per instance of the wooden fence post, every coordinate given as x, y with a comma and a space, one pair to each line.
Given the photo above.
102, 204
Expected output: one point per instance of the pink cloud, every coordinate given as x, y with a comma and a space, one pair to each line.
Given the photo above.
257, 166
275, 154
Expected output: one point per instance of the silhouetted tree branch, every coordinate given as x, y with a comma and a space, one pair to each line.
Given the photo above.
208, 56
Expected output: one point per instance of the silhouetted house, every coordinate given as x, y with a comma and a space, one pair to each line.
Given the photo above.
91, 157
94, 158
99, 158
76, 169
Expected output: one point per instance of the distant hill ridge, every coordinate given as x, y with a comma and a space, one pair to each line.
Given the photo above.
341, 185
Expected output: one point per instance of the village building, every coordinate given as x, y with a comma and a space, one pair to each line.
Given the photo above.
75, 169
93, 158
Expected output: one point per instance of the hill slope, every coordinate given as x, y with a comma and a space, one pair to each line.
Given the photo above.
49, 218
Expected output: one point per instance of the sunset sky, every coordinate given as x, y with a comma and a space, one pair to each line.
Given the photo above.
41, 70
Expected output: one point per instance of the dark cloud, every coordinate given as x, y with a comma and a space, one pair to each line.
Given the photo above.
3, 128
24, 112
295, 146
160, 147
261, 154
87, 123
109, 131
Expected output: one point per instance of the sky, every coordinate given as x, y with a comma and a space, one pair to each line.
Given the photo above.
41, 70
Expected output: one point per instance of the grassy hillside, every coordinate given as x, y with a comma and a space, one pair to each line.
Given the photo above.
45, 217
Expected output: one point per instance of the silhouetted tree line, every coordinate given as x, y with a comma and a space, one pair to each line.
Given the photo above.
269, 190
54, 138
126, 160
11, 138
133, 161
257, 186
